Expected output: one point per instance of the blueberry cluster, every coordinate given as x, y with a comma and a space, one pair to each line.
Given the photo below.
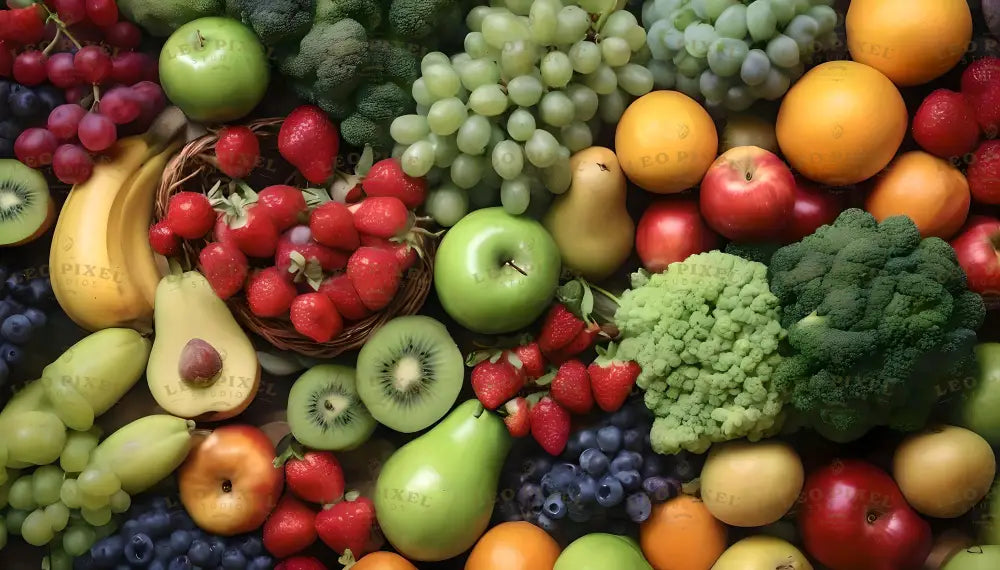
23, 107
609, 477
24, 304
156, 537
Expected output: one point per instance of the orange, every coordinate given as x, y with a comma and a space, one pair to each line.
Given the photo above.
928, 189
681, 534
383, 561
514, 546
841, 123
665, 142
911, 41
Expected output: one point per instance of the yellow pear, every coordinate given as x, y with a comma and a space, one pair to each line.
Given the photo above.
762, 552
589, 221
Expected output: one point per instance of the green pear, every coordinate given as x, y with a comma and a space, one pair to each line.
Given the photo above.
589, 222
762, 552
434, 497
601, 551
979, 407
975, 558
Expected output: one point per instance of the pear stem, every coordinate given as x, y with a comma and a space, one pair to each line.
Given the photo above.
516, 268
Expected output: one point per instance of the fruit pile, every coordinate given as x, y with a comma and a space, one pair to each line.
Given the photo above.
25, 301
75, 96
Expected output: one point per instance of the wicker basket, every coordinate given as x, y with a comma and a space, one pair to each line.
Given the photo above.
194, 169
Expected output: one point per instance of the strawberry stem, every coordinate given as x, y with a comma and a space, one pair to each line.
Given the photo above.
606, 293
347, 559
293, 451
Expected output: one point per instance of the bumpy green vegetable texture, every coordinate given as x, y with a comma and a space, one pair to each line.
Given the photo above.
706, 333
876, 318
360, 57
161, 17
274, 21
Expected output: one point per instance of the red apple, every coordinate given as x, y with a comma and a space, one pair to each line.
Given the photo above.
854, 517
813, 208
228, 483
671, 229
977, 249
748, 194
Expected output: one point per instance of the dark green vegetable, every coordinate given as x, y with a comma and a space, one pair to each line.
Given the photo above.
274, 21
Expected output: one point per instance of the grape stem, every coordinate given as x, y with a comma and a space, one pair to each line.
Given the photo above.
60, 29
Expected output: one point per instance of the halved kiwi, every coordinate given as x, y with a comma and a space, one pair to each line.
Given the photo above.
410, 373
325, 412
26, 207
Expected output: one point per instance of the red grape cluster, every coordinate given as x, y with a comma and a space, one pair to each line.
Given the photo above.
83, 49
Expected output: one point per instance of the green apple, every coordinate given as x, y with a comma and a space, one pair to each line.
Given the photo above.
214, 69
496, 273
975, 558
762, 552
602, 552
982, 400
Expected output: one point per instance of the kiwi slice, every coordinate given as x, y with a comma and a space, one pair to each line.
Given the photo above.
325, 412
410, 373
25, 202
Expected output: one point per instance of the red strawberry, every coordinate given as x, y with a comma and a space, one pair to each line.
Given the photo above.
163, 240
347, 525
24, 25
221, 232
984, 173
284, 204
310, 142
269, 293
532, 361
300, 239
253, 232
314, 476
225, 268
584, 340
559, 328
300, 563
612, 380
341, 291
516, 418
190, 215
237, 151
313, 315
496, 380
386, 178
571, 387
987, 106
385, 217
945, 124
978, 75
406, 254
332, 225
375, 275
550, 424
289, 528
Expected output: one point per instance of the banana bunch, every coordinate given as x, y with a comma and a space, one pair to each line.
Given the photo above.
103, 271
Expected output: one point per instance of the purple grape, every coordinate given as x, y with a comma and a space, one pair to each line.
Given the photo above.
639, 507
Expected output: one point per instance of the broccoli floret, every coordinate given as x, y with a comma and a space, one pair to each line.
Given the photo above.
274, 21
328, 60
759, 252
418, 19
161, 17
876, 318
369, 13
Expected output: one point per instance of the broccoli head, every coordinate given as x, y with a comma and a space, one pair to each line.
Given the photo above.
161, 17
274, 21
876, 318
706, 334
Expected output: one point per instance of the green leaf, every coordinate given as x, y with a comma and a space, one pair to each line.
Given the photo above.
545, 380
366, 161
587, 304
571, 294
515, 360
534, 398
478, 356
314, 274
315, 196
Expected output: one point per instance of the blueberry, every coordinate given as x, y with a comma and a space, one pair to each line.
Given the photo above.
181, 563
593, 461
621, 462
638, 507
632, 440
609, 439
15, 305
533, 469
609, 491
554, 507
556, 480
11, 354
624, 418
139, 549
5, 86
5, 310
155, 523
130, 527
260, 563
157, 565
109, 551
6, 148
233, 559
661, 488
180, 541
547, 524
579, 513
182, 520
579, 441
40, 291
25, 104
583, 489
530, 497
507, 511
631, 480
251, 546
159, 504
217, 546
9, 129
685, 468
17, 329
163, 551
36, 316
4, 372
200, 553
50, 96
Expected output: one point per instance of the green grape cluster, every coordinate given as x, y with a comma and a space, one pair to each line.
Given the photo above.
731, 53
499, 121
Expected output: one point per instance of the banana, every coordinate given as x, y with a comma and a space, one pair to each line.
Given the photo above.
145, 452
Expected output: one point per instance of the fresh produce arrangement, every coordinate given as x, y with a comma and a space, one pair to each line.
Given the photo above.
499, 285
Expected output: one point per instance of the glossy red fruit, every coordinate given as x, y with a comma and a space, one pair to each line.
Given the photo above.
945, 124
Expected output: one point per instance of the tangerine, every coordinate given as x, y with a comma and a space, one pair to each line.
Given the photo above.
681, 534
514, 546
383, 561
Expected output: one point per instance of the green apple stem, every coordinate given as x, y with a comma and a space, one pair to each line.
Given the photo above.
201, 39
516, 268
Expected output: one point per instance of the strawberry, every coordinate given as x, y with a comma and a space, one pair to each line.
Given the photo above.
253, 232
190, 215
283, 204
221, 232
987, 106
237, 151
313, 315
584, 340
559, 328
24, 25
375, 275
309, 142
945, 124
386, 178
299, 239
984, 173
332, 225
314, 476
269, 293
163, 240
347, 525
516, 418
978, 75
612, 380
340, 290
571, 387
496, 380
550, 424
385, 217
300, 563
532, 361
406, 254
225, 268
289, 528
